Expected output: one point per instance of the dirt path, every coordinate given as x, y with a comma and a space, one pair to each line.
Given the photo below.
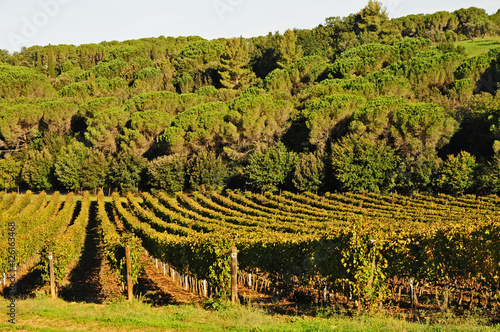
92, 281
152, 286
159, 289
29, 279
83, 281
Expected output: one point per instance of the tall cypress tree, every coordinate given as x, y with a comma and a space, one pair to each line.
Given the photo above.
51, 64
39, 62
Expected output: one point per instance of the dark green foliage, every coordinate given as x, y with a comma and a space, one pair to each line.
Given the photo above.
264, 57
267, 170
207, 171
198, 55
197, 128
126, 171
168, 173
469, 22
94, 170
305, 71
373, 118
488, 177
185, 83
9, 173
362, 164
104, 128
144, 129
126, 53
364, 85
19, 124
420, 127
197, 63
37, 169
416, 172
316, 41
457, 174
51, 67
68, 165
309, 172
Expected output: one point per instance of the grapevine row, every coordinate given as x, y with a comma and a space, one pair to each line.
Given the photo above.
67, 246
114, 245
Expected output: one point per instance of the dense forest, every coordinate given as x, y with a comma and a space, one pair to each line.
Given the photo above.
359, 103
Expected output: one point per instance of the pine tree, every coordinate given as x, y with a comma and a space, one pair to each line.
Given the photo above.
268, 170
372, 17
207, 171
309, 171
234, 70
51, 64
288, 49
39, 62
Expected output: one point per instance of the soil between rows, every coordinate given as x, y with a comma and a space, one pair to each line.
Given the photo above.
92, 281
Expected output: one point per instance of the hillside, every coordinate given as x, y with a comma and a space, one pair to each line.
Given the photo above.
361, 103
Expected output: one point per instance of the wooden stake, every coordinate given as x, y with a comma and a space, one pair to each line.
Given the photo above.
52, 277
129, 273
411, 294
234, 276
437, 297
446, 297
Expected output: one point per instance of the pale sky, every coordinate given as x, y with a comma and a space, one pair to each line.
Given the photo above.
40, 22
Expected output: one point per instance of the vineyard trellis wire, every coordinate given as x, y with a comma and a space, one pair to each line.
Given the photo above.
364, 247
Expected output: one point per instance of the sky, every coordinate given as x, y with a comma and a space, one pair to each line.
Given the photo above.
43, 22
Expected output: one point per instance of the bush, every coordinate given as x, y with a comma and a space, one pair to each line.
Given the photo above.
456, 175
168, 173
267, 170
361, 164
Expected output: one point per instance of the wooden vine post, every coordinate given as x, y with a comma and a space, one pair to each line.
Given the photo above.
52, 277
129, 273
234, 276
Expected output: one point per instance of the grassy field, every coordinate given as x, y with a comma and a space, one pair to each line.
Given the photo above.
479, 46
43, 314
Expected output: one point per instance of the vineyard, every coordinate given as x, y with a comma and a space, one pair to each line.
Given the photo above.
361, 250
